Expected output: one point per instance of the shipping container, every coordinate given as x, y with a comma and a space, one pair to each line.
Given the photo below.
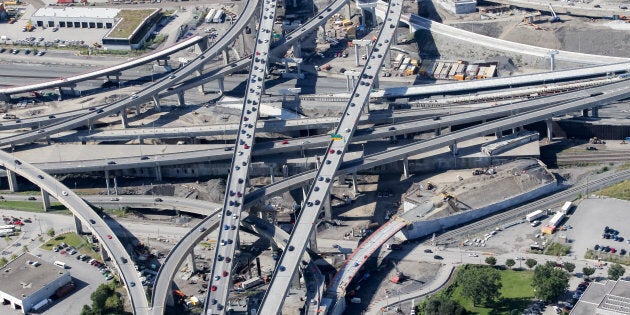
438, 70
218, 17
534, 215
251, 283
566, 208
556, 219
481, 72
471, 71
398, 60
210, 15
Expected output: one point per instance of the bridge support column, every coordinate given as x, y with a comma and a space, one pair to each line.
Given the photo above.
104, 253
585, 113
304, 194
327, 206
201, 88
156, 101
107, 182
595, 112
123, 118
549, 124
60, 91
190, 260
180, 98
375, 82
226, 57
356, 55
45, 199
158, 173
295, 280
498, 134
77, 225
13, 185
313, 240
406, 167
438, 132
348, 86
297, 49
271, 174
202, 45
221, 85
453, 148
355, 186
388, 59
170, 300
5, 97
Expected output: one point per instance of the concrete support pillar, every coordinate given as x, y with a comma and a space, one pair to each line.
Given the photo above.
170, 301
202, 45
221, 85
585, 113
355, 186
13, 185
271, 174
158, 173
595, 112
327, 206
180, 98
190, 260
304, 193
226, 57
78, 226
104, 253
297, 49
549, 124
438, 132
348, 86
454, 149
406, 167
388, 59
375, 82
201, 88
60, 91
107, 182
45, 199
72, 92
356, 55
156, 101
295, 280
498, 134
138, 110
123, 118
313, 240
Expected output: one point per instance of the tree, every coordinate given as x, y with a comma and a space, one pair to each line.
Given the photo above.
12, 257
549, 282
51, 232
568, 266
510, 262
480, 283
616, 271
105, 300
438, 305
588, 271
491, 260
530, 263
3, 261
24, 248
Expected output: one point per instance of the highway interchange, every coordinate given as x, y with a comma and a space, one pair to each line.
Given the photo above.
245, 143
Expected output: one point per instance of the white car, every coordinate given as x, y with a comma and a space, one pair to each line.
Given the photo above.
473, 255
63, 192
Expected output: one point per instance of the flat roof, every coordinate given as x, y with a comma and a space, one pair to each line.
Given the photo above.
18, 278
74, 12
611, 297
129, 21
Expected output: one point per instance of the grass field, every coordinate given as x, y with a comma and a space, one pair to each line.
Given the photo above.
619, 191
74, 240
32, 206
516, 294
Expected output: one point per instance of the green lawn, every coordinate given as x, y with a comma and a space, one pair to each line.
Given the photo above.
619, 191
516, 294
74, 240
31, 206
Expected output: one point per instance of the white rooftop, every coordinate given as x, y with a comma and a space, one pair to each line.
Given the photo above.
72, 12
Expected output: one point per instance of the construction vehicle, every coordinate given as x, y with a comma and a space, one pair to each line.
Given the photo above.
399, 277
430, 186
554, 17
28, 27
446, 196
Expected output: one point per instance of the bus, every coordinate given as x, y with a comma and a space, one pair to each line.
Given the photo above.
60, 264
251, 283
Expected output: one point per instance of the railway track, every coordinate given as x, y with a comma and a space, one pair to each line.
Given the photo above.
565, 194
595, 157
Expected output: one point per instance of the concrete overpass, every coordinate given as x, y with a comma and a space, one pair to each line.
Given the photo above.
163, 54
575, 8
319, 192
220, 281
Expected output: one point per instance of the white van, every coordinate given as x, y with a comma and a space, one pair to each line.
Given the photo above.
60, 264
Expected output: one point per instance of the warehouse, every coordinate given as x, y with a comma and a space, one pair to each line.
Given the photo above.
27, 281
71, 17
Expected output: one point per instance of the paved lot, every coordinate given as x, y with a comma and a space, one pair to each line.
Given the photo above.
589, 220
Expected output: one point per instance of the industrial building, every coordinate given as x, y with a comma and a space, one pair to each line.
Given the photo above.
133, 28
459, 6
73, 17
28, 281
607, 298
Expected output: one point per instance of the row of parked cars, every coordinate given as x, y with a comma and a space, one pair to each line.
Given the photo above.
64, 249
608, 249
26, 51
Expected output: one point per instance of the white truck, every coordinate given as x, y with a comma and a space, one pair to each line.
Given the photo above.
534, 215
566, 208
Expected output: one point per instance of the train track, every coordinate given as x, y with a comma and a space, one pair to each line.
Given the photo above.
520, 212
594, 157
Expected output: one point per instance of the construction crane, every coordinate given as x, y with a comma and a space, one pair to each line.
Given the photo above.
399, 277
555, 17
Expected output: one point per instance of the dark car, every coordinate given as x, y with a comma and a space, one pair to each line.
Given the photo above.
438, 257
92, 221
428, 251
158, 199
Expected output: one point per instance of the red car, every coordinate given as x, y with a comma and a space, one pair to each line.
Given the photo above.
246, 146
225, 273
213, 288
18, 223
285, 141
331, 151
109, 236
